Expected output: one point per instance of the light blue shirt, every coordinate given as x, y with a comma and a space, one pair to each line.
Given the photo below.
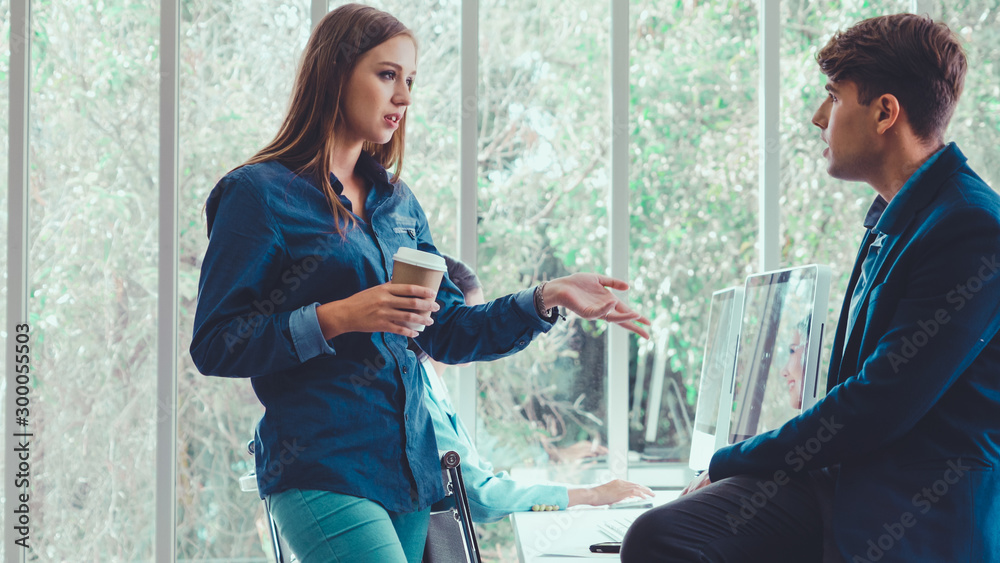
492, 496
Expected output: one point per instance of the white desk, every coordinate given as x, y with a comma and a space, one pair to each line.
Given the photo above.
565, 535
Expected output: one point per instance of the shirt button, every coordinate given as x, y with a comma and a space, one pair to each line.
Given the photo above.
521, 343
405, 369
406, 417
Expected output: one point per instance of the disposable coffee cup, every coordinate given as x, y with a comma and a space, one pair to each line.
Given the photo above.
416, 267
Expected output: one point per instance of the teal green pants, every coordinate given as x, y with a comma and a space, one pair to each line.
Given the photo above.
321, 526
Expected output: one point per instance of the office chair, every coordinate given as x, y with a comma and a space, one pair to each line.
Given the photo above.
451, 537
281, 552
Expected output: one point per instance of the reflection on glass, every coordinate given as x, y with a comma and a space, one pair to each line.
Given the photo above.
772, 353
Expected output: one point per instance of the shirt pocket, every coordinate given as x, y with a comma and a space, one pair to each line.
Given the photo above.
407, 231
404, 234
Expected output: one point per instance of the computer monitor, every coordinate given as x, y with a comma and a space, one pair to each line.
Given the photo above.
777, 359
716, 376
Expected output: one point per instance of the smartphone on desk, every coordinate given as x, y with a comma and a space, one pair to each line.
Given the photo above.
641, 503
606, 547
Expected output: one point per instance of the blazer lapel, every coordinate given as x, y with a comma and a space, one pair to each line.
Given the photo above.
837, 357
894, 222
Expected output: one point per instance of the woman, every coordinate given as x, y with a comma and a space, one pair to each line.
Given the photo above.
794, 369
494, 496
294, 295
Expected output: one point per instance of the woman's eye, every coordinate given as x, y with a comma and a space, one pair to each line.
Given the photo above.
409, 83
388, 74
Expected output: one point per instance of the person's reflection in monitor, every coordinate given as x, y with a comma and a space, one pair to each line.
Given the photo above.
795, 367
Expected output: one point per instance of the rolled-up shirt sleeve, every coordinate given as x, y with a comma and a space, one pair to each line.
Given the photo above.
307, 335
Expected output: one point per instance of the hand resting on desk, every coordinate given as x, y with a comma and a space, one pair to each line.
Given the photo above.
608, 493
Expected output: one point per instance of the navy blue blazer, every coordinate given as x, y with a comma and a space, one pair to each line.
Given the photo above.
912, 411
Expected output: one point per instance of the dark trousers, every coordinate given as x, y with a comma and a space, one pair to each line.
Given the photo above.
740, 519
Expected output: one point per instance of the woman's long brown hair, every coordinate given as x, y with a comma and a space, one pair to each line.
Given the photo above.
306, 141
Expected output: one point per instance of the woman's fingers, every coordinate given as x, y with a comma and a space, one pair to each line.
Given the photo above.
626, 318
612, 283
409, 290
621, 313
632, 327
416, 318
414, 304
396, 328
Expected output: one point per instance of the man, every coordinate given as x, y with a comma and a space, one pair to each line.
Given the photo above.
900, 461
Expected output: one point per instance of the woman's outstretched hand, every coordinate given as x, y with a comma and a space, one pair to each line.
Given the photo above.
383, 308
588, 295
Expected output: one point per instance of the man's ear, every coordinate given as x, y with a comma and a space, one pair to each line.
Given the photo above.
887, 110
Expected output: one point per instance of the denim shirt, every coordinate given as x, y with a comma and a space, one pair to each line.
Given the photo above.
347, 414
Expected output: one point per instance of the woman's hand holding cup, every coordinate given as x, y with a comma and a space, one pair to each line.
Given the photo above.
390, 307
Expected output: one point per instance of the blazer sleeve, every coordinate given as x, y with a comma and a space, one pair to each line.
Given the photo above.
948, 299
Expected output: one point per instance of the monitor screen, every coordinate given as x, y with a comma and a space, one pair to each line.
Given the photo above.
778, 353
711, 422
720, 348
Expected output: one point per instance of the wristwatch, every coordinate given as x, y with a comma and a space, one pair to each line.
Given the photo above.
547, 314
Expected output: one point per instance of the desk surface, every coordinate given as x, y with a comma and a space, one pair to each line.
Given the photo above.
565, 535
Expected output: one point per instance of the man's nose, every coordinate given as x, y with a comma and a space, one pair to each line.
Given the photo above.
820, 118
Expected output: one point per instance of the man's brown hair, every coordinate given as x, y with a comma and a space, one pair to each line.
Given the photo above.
917, 60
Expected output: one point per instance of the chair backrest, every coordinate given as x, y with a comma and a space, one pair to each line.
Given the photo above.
281, 552
451, 536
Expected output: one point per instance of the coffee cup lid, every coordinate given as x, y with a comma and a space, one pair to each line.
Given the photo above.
420, 258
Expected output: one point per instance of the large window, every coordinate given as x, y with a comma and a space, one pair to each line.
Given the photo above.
92, 239
693, 197
544, 144
543, 160
4, 109
237, 64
